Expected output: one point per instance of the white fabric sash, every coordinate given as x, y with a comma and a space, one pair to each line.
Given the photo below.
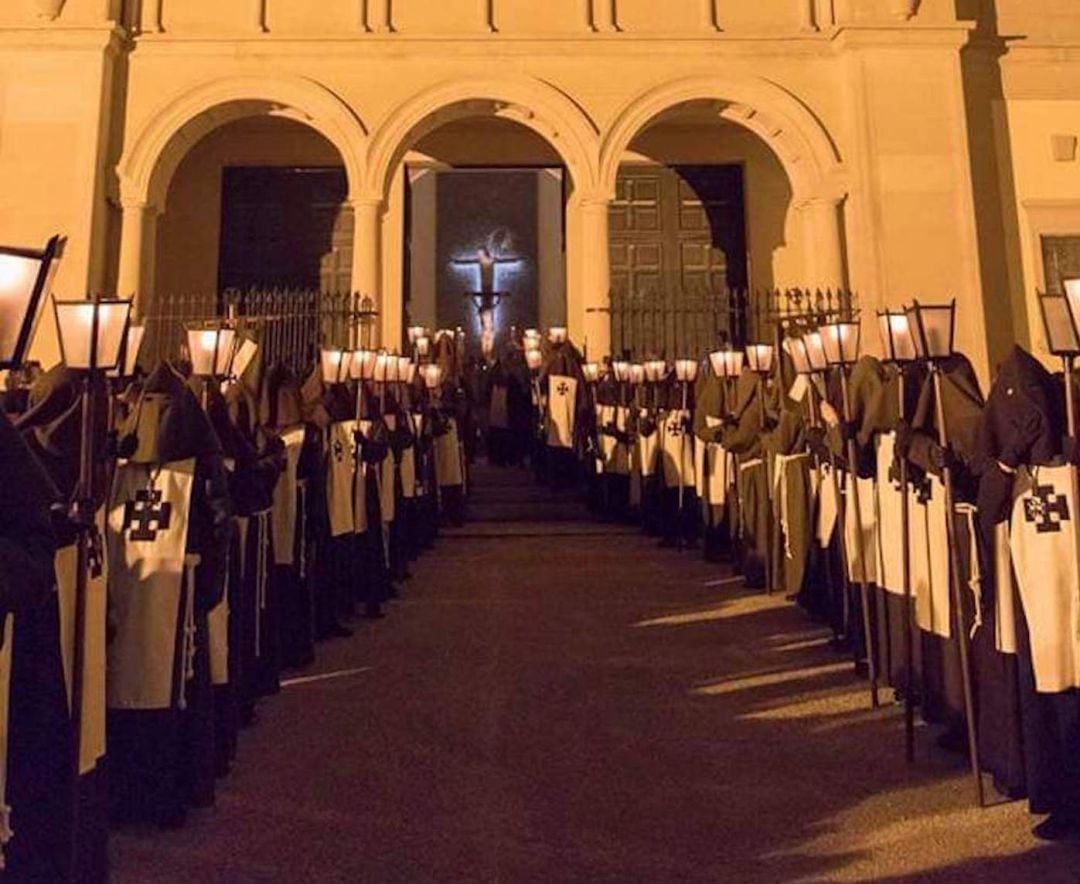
146, 541
562, 396
340, 479
1043, 543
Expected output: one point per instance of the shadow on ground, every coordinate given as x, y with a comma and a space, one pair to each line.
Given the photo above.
587, 708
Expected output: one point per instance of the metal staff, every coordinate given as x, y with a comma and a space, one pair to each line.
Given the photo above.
934, 329
841, 341
900, 350
760, 358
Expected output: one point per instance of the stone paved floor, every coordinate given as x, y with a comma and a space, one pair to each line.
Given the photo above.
586, 707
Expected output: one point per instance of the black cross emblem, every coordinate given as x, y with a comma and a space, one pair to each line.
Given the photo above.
1046, 509
563, 388
146, 515
675, 428
339, 451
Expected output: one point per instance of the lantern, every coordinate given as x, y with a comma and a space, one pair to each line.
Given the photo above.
408, 376
382, 364
423, 346
796, 349
1061, 332
734, 361
557, 334
534, 359
335, 365
896, 338
1072, 301
92, 333
416, 332
591, 371
404, 363
933, 328
24, 277
637, 375
686, 370
759, 357
841, 342
815, 351
621, 370
718, 363
432, 375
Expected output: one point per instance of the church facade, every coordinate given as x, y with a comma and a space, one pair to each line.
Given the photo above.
897, 148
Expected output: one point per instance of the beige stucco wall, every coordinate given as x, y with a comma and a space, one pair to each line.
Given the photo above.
859, 103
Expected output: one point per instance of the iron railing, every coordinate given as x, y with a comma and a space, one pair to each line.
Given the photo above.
291, 324
688, 324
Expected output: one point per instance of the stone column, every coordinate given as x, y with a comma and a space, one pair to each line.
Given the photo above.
595, 295
136, 252
824, 243
367, 249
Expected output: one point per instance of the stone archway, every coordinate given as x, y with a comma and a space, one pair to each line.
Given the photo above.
154, 153
531, 103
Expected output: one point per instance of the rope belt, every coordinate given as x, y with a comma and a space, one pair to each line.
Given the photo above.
187, 658
968, 511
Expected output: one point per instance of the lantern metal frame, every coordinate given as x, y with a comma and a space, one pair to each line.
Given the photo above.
94, 357
47, 259
920, 313
218, 330
897, 343
841, 342
760, 358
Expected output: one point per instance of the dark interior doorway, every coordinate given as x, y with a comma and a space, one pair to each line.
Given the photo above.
285, 228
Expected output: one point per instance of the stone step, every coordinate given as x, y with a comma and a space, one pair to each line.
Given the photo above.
527, 512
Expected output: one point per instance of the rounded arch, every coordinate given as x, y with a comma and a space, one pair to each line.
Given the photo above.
795, 135
153, 155
530, 102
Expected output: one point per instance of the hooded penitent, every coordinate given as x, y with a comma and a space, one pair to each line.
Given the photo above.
168, 534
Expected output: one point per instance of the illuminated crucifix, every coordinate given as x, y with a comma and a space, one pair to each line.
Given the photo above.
487, 296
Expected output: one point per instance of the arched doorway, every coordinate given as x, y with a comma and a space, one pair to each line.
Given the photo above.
240, 184
512, 126
719, 190
485, 226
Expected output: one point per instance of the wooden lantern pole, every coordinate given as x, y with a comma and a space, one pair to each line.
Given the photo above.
957, 596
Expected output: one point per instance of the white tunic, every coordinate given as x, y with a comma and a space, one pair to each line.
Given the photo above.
149, 590
1043, 542
341, 477
561, 400
677, 450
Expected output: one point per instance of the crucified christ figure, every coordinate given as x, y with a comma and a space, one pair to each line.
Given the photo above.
486, 262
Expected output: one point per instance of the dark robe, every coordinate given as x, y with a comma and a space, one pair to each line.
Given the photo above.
52, 427
162, 757
1030, 736
743, 437
40, 759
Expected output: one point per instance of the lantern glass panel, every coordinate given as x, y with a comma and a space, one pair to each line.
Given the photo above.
734, 360
1061, 337
1072, 298
132, 345
335, 365
815, 351
75, 321
897, 338
20, 295
534, 359
718, 363
403, 363
841, 342
796, 349
557, 334
760, 357
591, 371
637, 374
934, 327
